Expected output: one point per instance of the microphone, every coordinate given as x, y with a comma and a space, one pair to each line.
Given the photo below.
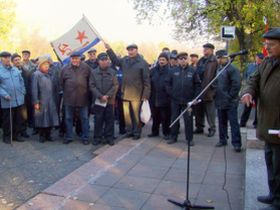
242, 52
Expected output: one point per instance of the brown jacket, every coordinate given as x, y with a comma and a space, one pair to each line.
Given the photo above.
264, 84
208, 73
74, 82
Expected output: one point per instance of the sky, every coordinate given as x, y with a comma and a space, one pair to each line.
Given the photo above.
115, 20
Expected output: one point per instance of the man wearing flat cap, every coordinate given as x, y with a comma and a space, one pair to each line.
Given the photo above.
227, 100
104, 86
135, 86
27, 64
16, 61
182, 85
194, 60
265, 86
251, 68
28, 68
74, 81
92, 61
12, 91
206, 68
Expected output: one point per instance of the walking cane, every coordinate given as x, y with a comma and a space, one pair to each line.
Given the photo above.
11, 124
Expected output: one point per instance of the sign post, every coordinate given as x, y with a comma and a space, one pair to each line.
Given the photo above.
227, 34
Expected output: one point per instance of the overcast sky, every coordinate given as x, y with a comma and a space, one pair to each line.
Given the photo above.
113, 19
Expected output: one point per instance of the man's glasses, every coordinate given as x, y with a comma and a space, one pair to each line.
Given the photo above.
183, 58
269, 45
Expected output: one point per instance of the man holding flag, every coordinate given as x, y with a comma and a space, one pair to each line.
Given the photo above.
135, 86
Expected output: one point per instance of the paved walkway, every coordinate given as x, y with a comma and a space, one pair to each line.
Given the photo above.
143, 174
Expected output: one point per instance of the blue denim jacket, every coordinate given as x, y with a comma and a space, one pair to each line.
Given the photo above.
11, 84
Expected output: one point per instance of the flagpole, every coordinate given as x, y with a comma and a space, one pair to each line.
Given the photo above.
91, 26
56, 54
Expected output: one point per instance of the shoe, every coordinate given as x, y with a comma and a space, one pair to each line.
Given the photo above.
267, 199
270, 208
95, 142
35, 132
122, 132
242, 125
7, 140
49, 138
85, 142
152, 135
166, 137
111, 142
237, 149
172, 141
191, 143
136, 137
67, 141
211, 133
128, 135
42, 139
16, 138
198, 131
24, 135
220, 144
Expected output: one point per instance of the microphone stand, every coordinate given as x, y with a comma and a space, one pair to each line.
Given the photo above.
187, 205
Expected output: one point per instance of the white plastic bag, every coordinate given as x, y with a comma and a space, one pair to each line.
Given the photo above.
145, 113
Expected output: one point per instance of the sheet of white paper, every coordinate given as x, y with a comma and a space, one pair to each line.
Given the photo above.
273, 132
99, 103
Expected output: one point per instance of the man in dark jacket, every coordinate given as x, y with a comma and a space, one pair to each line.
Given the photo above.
226, 99
160, 101
264, 85
135, 86
183, 85
104, 86
74, 81
16, 60
92, 61
28, 69
206, 68
251, 68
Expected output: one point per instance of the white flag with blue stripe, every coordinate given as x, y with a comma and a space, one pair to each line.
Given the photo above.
79, 39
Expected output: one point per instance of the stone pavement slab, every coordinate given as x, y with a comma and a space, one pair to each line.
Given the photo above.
255, 177
143, 174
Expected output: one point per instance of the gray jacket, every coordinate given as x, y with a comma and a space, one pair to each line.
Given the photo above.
136, 77
44, 92
104, 82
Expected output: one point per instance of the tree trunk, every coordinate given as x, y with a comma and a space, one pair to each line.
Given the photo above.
240, 34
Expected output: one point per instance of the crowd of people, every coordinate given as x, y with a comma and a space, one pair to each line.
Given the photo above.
45, 95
